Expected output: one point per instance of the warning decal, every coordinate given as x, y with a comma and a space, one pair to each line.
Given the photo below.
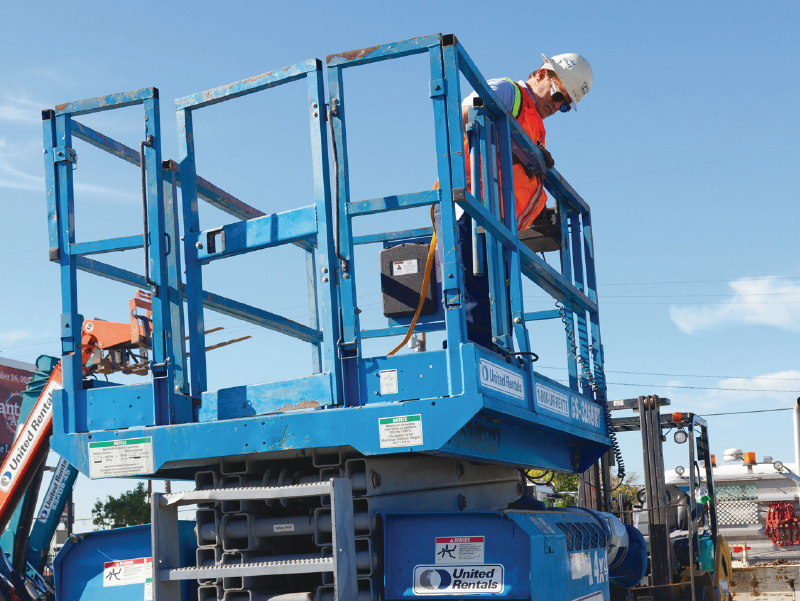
459, 549
405, 267
116, 458
402, 431
127, 571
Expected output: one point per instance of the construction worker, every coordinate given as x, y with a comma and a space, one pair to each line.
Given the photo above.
557, 86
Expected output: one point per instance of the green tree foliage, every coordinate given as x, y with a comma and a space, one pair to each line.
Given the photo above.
566, 485
129, 509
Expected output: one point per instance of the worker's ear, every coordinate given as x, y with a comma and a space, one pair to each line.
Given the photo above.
541, 74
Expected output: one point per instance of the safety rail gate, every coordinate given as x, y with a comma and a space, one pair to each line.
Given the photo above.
469, 401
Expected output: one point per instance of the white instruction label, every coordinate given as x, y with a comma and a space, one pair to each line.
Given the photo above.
116, 458
283, 528
501, 379
127, 571
405, 267
580, 565
468, 579
459, 549
549, 399
148, 588
404, 431
388, 381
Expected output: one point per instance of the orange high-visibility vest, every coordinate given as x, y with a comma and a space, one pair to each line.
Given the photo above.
529, 192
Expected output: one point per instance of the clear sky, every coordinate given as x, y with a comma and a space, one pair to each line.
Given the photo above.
685, 149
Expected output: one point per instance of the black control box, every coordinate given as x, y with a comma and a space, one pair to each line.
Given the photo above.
402, 274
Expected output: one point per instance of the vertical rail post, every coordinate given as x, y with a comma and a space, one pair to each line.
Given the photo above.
322, 268
350, 343
581, 331
155, 240
517, 302
176, 342
566, 270
194, 275
71, 321
451, 168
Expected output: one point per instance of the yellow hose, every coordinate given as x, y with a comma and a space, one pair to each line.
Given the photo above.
425, 281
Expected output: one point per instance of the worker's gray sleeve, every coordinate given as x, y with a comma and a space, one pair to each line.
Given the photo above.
502, 88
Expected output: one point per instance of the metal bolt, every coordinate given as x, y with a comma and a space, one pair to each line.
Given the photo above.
346, 276
315, 114
324, 280
436, 87
494, 340
459, 470
450, 275
324, 270
313, 105
199, 245
177, 387
376, 480
518, 320
181, 238
66, 325
462, 502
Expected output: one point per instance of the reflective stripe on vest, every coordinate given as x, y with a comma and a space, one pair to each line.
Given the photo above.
517, 98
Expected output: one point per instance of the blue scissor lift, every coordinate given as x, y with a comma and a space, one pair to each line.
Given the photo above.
369, 447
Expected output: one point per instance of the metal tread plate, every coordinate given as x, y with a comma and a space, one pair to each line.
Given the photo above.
266, 568
258, 493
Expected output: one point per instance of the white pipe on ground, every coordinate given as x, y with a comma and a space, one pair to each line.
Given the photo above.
796, 423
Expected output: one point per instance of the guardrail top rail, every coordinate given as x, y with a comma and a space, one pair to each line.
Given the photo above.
464, 396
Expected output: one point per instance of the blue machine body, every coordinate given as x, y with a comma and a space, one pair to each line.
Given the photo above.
50, 511
472, 402
79, 566
554, 554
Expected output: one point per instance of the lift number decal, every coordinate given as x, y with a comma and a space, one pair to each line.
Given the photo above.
593, 564
401, 431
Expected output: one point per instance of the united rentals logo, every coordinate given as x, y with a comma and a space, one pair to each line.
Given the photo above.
26, 441
56, 489
480, 579
501, 379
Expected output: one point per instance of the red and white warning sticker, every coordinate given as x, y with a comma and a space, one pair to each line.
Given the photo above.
127, 571
459, 549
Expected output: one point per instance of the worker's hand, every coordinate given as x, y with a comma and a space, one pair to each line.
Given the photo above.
548, 158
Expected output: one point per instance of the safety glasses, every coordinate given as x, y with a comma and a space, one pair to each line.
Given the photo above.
558, 96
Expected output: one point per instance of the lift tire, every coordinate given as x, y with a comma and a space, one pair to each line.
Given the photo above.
703, 593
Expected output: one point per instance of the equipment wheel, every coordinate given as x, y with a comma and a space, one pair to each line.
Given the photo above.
703, 593
641, 496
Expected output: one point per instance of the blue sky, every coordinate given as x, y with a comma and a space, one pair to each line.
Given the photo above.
686, 149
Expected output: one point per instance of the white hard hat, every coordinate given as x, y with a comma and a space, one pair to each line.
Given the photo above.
574, 72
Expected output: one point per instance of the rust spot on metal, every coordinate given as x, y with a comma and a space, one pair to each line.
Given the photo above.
61, 107
353, 54
300, 405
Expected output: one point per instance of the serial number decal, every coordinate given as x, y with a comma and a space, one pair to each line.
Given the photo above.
479, 438
587, 412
